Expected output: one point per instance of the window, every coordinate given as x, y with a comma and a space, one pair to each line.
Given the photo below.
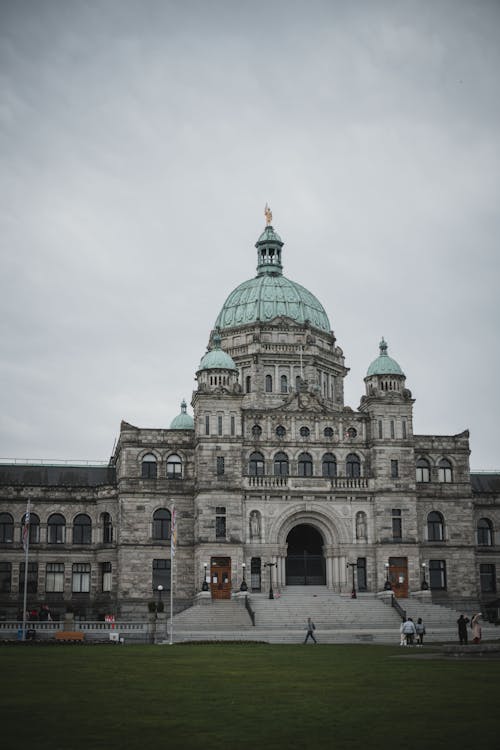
220, 465
329, 465
284, 384
403, 425
220, 522
149, 466
380, 429
487, 576
397, 524
280, 432
281, 465
82, 529
174, 467
233, 425
161, 574
437, 574
393, 432
256, 464
107, 528
353, 466
351, 433
444, 471
255, 573
6, 528
435, 527
305, 465
54, 577
207, 424
34, 524
5, 577
248, 384
105, 577
485, 532
269, 384
328, 432
162, 521
304, 432
361, 571
81, 578
423, 470
56, 529
219, 425
32, 583
256, 431
394, 469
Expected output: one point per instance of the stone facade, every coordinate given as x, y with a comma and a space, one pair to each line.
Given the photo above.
275, 476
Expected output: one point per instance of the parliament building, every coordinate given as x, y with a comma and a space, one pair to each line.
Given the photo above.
274, 481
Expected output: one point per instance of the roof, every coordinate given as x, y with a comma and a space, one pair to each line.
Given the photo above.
384, 365
485, 483
182, 421
56, 476
217, 358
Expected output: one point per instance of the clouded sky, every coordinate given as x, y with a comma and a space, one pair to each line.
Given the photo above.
139, 143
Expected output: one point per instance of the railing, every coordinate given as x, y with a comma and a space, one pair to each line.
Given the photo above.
250, 610
399, 609
268, 480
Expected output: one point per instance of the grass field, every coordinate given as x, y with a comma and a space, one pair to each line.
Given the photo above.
244, 696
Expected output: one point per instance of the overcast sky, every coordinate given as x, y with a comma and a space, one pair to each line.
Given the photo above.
139, 143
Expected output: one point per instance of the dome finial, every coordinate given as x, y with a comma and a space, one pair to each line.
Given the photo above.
269, 216
183, 406
383, 346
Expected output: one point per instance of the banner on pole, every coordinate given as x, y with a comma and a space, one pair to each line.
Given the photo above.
173, 535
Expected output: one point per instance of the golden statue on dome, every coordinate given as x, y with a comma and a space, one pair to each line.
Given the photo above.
269, 215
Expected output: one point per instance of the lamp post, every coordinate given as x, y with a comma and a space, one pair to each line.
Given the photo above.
425, 585
204, 585
352, 566
159, 606
270, 565
387, 584
243, 586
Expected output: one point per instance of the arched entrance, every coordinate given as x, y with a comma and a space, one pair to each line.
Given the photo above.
305, 564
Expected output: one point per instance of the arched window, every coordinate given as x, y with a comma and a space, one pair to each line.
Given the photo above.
248, 384
161, 524
444, 471
328, 432
107, 528
174, 467
56, 529
298, 381
352, 466
351, 433
423, 470
305, 465
34, 530
435, 527
256, 431
269, 384
149, 466
485, 532
329, 465
281, 464
6, 528
82, 529
284, 384
256, 464
280, 432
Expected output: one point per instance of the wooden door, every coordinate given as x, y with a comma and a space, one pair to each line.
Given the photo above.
220, 577
398, 576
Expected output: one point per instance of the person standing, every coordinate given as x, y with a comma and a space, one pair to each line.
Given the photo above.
420, 630
476, 628
409, 631
311, 627
462, 623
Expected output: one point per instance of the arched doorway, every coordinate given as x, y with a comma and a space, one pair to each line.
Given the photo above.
305, 564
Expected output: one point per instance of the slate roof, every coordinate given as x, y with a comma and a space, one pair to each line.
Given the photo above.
56, 476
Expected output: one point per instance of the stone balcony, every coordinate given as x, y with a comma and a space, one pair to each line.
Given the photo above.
309, 484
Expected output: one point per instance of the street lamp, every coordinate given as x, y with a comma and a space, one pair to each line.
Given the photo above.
243, 586
425, 585
353, 592
387, 584
270, 565
159, 606
204, 585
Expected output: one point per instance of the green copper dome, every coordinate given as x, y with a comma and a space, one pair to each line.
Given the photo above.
270, 294
217, 358
182, 421
384, 365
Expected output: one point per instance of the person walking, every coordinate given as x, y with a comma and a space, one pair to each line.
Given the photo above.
462, 623
476, 628
409, 631
420, 630
310, 627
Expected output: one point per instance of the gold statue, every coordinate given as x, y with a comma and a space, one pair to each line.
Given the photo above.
269, 215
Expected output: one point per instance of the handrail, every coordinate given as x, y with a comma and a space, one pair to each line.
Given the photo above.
397, 606
250, 610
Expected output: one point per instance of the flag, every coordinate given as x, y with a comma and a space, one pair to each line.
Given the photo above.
26, 529
173, 535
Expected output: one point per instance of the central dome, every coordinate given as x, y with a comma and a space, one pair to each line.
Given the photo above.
270, 294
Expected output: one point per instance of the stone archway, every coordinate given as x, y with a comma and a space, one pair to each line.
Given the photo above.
305, 562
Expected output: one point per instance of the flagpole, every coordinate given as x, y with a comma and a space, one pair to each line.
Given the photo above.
25, 532
173, 539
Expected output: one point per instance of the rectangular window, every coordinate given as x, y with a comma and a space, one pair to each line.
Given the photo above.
393, 434
255, 574
207, 424
161, 574
219, 425
54, 577
233, 426
5, 577
220, 523
220, 465
487, 575
394, 469
397, 524
32, 585
404, 429
437, 574
105, 571
380, 429
362, 574
81, 578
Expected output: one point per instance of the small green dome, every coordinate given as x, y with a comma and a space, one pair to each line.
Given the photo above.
217, 358
182, 421
384, 365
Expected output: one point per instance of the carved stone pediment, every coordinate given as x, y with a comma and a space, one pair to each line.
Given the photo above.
303, 401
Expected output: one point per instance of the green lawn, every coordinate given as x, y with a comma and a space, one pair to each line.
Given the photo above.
244, 696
